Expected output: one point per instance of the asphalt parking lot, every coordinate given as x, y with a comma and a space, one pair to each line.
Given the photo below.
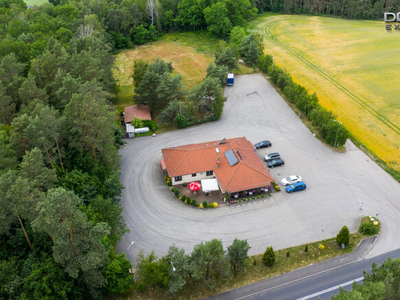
336, 184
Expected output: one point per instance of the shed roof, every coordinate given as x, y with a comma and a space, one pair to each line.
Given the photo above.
140, 111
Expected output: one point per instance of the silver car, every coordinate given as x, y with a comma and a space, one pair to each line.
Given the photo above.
291, 179
272, 156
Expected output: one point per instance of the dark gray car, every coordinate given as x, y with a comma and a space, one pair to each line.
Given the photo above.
263, 144
276, 163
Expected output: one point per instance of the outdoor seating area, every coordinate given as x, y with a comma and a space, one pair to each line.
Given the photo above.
250, 194
200, 196
194, 191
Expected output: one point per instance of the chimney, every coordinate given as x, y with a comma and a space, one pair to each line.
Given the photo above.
217, 162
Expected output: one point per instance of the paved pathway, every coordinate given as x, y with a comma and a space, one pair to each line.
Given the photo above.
337, 184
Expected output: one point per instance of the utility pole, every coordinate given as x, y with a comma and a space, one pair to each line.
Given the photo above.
173, 272
127, 252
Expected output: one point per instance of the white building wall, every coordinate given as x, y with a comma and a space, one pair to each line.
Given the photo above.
189, 178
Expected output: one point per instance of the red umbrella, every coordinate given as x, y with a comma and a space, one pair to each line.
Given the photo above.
194, 186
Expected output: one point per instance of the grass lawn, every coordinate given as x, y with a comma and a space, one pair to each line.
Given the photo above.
257, 271
351, 65
186, 61
35, 2
190, 54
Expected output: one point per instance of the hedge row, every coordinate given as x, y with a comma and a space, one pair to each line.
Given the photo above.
193, 202
232, 200
322, 119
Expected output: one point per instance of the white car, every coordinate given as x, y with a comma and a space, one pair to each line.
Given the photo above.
291, 179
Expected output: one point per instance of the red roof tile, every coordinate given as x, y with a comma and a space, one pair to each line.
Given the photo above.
140, 111
248, 173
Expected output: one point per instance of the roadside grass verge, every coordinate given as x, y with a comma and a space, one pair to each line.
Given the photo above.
257, 271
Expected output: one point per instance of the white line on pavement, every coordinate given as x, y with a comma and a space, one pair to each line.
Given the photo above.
331, 289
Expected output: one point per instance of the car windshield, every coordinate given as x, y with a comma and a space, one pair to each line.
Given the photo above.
292, 186
288, 178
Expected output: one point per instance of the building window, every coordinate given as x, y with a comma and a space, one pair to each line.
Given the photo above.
194, 175
178, 178
209, 173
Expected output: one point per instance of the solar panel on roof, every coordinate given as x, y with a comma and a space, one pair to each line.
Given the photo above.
230, 156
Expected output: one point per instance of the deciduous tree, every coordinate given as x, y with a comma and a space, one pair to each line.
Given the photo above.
119, 279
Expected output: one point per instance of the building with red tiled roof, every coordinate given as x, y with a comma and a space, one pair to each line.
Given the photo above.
139, 111
233, 162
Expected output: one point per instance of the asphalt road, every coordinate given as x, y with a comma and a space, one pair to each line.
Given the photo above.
337, 183
321, 285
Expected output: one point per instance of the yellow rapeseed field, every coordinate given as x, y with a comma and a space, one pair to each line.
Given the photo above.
352, 65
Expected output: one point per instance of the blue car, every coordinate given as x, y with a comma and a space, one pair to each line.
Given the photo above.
298, 186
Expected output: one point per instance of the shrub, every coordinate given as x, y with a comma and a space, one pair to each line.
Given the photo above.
188, 198
176, 192
169, 183
269, 257
137, 123
321, 247
254, 262
201, 205
306, 249
288, 254
197, 205
368, 229
188, 201
343, 237
228, 196
204, 203
140, 288
215, 204
151, 124
173, 189
194, 202
183, 198
181, 121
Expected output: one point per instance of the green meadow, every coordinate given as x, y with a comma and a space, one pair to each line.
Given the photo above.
35, 2
353, 66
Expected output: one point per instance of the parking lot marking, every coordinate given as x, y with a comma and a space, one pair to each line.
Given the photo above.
394, 205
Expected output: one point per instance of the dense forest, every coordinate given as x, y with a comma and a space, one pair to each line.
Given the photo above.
60, 217
59, 167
